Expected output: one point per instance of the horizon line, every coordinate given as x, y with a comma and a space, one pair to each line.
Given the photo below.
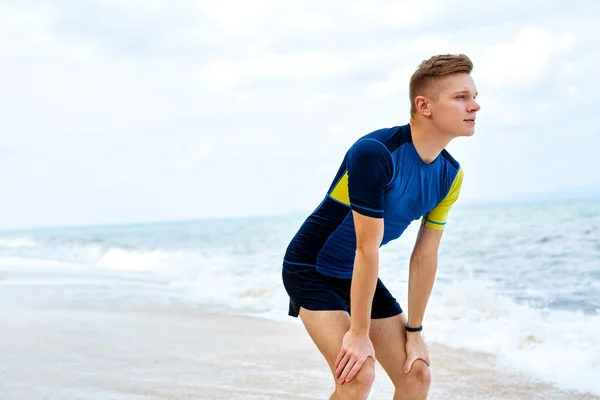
461, 205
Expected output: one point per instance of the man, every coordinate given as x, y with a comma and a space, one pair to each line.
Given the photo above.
388, 178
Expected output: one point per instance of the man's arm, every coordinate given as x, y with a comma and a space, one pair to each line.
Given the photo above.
369, 169
369, 234
424, 258
423, 267
356, 344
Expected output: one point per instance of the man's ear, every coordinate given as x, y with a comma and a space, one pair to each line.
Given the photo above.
423, 105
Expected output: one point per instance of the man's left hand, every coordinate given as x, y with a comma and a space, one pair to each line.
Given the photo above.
416, 349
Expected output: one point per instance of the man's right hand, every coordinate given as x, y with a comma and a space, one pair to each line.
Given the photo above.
356, 347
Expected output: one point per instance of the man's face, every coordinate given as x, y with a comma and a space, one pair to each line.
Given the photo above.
453, 109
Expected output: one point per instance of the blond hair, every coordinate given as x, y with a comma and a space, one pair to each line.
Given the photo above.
431, 70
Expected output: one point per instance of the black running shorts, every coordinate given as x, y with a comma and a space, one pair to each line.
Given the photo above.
312, 290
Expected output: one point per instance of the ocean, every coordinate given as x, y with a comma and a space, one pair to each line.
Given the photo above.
519, 281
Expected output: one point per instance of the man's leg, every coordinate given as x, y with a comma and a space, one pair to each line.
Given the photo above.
327, 329
389, 339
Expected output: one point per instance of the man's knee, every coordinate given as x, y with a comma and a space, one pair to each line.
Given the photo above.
421, 373
360, 386
366, 375
417, 380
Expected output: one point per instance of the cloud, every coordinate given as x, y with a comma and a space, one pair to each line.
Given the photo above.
273, 66
186, 106
188, 159
524, 60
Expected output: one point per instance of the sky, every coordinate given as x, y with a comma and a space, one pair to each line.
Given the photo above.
119, 111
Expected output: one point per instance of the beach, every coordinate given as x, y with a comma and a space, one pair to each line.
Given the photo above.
70, 342
197, 310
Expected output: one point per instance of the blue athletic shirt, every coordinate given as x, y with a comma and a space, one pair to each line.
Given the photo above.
381, 176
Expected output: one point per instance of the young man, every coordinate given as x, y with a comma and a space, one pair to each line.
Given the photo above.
388, 178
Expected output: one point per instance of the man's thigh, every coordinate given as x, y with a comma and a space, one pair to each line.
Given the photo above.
327, 330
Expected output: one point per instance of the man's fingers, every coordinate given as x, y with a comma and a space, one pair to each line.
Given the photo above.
349, 366
342, 364
428, 360
425, 359
357, 366
339, 357
411, 359
408, 364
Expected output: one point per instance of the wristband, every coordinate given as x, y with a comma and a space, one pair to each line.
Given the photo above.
409, 329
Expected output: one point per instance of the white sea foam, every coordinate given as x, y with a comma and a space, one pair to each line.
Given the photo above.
16, 242
562, 347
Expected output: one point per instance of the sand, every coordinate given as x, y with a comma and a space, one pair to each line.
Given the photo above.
61, 347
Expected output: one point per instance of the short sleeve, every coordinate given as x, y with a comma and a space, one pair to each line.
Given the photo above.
370, 170
436, 218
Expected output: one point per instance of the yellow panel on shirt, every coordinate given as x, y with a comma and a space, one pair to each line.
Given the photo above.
436, 218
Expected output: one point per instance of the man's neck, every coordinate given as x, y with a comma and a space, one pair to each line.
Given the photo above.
428, 141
